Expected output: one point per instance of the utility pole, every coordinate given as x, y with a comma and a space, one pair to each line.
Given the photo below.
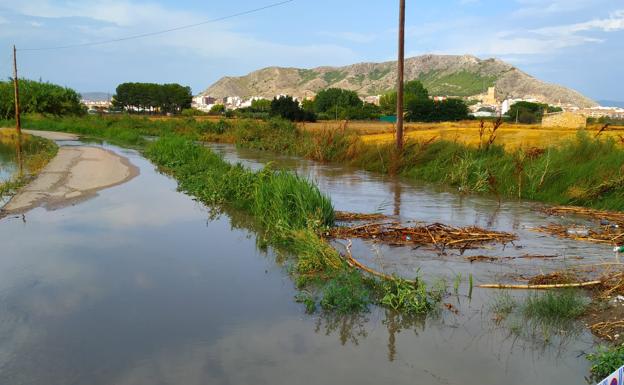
400, 73
18, 122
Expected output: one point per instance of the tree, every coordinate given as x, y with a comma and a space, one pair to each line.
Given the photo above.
261, 105
420, 110
529, 113
151, 97
414, 90
217, 109
288, 108
450, 110
39, 97
331, 99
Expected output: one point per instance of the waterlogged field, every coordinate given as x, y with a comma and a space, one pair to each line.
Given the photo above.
144, 285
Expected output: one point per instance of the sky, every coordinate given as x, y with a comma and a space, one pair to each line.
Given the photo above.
575, 43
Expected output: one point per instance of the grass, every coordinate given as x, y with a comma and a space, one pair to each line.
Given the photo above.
555, 306
503, 305
293, 213
346, 293
606, 360
540, 315
36, 153
409, 297
578, 170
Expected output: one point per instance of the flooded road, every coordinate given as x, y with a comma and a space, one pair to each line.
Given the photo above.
142, 285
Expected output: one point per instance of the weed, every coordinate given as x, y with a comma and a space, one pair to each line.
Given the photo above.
456, 283
346, 293
503, 305
606, 360
405, 296
307, 300
554, 306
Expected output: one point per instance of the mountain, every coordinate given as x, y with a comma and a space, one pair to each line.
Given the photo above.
611, 103
96, 96
449, 75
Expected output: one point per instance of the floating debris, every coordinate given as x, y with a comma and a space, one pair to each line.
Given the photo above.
439, 235
558, 277
487, 258
604, 234
345, 216
600, 215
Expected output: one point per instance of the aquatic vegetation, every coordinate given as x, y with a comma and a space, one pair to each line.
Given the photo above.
606, 360
409, 297
347, 292
503, 305
555, 306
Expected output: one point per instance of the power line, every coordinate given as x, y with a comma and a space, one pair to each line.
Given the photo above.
273, 5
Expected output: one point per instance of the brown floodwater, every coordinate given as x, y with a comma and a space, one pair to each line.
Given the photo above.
144, 285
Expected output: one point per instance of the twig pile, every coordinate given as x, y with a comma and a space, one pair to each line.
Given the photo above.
488, 258
606, 234
608, 330
344, 216
439, 235
612, 216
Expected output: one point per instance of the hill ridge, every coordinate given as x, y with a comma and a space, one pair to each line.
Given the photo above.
447, 75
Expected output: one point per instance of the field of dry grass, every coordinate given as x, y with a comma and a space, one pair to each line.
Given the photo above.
467, 132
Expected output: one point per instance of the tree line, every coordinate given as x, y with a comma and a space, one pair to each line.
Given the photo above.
39, 97
420, 108
337, 103
152, 97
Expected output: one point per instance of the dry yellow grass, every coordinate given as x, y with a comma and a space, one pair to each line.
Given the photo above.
467, 132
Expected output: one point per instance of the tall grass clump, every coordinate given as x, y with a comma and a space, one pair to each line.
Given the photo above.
280, 200
554, 306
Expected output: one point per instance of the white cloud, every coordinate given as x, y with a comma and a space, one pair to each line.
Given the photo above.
102, 20
615, 22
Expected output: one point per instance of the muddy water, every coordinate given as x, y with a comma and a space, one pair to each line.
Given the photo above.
141, 285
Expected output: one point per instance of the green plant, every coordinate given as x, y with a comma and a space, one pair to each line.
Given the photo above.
606, 360
409, 297
307, 300
503, 305
555, 306
346, 293
456, 283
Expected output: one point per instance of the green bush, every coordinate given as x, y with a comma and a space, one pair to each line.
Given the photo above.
606, 360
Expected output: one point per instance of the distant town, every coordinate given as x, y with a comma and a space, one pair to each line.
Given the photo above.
486, 105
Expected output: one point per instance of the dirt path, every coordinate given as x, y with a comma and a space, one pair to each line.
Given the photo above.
51, 135
76, 173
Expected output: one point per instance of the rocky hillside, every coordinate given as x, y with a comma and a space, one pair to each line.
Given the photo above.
442, 74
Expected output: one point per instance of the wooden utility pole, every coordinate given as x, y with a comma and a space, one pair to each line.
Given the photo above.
18, 122
400, 76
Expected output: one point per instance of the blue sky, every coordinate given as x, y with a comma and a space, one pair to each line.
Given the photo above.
576, 43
